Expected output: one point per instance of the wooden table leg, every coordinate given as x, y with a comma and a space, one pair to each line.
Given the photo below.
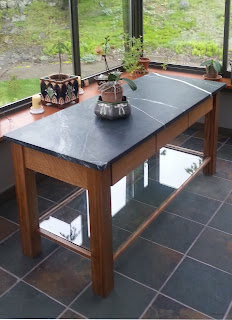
210, 137
101, 231
27, 203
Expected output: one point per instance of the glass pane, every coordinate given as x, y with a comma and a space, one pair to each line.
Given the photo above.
97, 20
133, 199
184, 32
29, 33
229, 68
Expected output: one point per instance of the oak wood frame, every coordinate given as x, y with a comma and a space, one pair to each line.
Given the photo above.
98, 183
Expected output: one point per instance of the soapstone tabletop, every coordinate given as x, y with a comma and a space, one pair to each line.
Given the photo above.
78, 135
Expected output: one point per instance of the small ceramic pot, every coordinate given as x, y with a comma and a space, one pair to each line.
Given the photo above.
112, 111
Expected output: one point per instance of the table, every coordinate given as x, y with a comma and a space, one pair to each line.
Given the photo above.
76, 147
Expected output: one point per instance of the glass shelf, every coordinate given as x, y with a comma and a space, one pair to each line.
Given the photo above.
133, 199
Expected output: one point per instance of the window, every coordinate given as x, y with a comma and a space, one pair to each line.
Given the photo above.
184, 32
29, 31
98, 20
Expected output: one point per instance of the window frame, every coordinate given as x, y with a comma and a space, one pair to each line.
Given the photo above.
136, 29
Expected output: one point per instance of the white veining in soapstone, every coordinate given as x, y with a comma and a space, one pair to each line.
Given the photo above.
153, 101
179, 80
147, 114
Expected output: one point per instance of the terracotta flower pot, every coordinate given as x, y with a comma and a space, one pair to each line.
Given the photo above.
113, 94
211, 73
145, 62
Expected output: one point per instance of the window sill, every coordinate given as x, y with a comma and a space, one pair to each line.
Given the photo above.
21, 118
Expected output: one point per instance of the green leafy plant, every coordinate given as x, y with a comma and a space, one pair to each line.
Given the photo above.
89, 58
60, 48
103, 50
133, 52
212, 64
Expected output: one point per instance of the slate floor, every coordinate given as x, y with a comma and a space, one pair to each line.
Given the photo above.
180, 267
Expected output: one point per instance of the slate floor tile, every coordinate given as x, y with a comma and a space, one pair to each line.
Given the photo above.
9, 208
6, 228
193, 206
153, 194
119, 236
79, 203
53, 189
201, 287
210, 186
69, 314
224, 169
225, 152
12, 258
132, 215
223, 219
127, 301
229, 141
225, 131
23, 301
222, 137
6, 281
165, 308
196, 144
179, 140
229, 315
229, 199
173, 232
62, 276
214, 248
147, 262
193, 129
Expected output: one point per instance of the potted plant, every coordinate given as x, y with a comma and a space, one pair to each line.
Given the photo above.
59, 89
212, 69
111, 91
103, 51
133, 61
112, 104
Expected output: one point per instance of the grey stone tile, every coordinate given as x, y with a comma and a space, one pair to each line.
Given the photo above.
9, 209
223, 219
127, 300
201, 287
12, 258
195, 144
229, 199
154, 194
179, 140
69, 314
23, 301
148, 263
214, 248
193, 206
53, 189
7, 281
225, 152
62, 276
6, 228
132, 215
224, 169
173, 231
210, 186
165, 308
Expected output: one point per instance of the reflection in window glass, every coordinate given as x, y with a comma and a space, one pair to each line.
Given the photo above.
97, 20
184, 32
28, 32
